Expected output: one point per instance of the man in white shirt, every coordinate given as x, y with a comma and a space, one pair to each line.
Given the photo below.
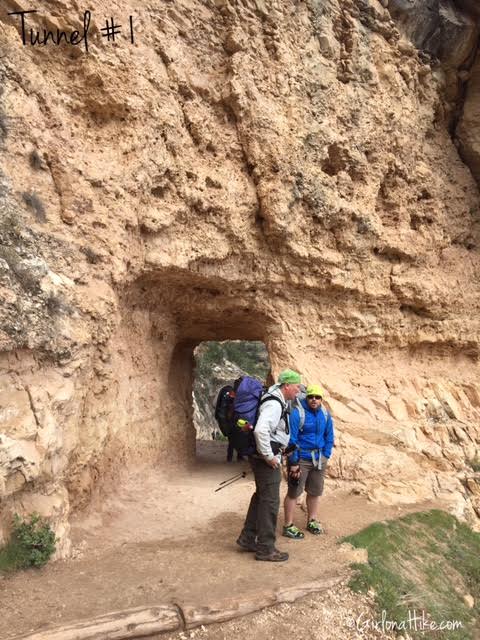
271, 435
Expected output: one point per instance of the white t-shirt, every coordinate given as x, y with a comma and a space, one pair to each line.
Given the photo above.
271, 427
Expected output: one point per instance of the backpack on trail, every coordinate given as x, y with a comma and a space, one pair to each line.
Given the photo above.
224, 412
250, 395
224, 409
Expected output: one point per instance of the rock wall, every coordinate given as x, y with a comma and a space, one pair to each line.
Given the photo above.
468, 130
260, 170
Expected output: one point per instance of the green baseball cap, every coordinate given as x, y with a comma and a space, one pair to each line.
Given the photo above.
288, 376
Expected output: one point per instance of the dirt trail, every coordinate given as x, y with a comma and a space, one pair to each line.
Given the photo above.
148, 545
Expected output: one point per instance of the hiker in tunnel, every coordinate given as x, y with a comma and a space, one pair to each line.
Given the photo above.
311, 429
270, 436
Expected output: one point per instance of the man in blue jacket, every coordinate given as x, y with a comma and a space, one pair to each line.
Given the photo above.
311, 429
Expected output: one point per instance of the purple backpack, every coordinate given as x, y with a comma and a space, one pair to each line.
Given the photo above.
247, 399
247, 406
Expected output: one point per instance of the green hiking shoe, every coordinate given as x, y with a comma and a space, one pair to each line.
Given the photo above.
293, 532
315, 527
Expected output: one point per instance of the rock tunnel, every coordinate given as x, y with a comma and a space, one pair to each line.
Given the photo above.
192, 311
279, 171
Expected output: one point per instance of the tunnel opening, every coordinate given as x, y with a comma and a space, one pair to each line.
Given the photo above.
172, 337
216, 365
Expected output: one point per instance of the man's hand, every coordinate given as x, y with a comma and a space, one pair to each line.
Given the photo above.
294, 471
274, 463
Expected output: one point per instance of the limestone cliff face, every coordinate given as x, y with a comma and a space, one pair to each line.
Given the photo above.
468, 131
283, 171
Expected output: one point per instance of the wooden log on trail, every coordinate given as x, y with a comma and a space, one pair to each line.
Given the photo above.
118, 625
147, 621
236, 607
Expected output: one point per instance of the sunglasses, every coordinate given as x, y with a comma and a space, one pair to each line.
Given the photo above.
314, 397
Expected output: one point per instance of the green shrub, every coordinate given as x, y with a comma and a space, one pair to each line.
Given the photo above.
250, 357
475, 464
32, 200
31, 545
91, 255
35, 160
425, 561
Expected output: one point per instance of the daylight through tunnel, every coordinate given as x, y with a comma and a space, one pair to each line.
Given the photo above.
195, 339
219, 368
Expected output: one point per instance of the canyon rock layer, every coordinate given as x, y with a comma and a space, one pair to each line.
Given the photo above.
297, 172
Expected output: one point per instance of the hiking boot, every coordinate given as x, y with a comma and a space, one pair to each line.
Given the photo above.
273, 556
246, 545
293, 532
315, 527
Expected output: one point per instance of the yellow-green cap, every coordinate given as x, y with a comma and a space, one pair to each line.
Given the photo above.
315, 390
288, 376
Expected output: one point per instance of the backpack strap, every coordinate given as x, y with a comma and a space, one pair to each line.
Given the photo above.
284, 415
301, 413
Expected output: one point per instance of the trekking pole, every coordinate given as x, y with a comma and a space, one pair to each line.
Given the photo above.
237, 476
225, 483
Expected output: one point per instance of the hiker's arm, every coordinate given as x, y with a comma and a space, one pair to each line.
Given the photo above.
329, 437
294, 427
268, 419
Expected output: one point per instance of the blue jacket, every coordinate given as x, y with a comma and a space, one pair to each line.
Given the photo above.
316, 435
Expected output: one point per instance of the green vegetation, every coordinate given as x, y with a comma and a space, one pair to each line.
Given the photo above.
32, 200
35, 160
26, 276
424, 562
10, 226
91, 256
475, 464
31, 545
250, 357
56, 305
213, 370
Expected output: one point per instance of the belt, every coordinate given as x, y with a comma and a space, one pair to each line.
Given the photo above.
276, 449
316, 463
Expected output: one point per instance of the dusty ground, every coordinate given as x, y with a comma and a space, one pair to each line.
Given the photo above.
146, 545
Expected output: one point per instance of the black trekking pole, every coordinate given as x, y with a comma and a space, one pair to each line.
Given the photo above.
231, 480
237, 476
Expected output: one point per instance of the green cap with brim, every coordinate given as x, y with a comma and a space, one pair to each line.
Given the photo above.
288, 376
